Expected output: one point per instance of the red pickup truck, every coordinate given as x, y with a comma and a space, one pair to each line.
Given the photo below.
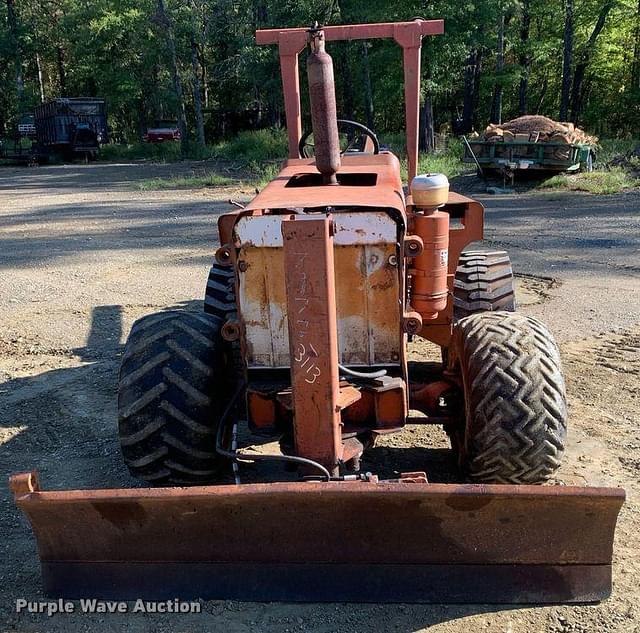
163, 131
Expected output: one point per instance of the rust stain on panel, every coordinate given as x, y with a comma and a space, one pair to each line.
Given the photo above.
367, 291
383, 306
351, 305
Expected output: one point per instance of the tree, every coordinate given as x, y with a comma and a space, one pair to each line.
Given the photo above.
496, 104
165, 24
15, 44
525, 57
196, 60
635, 66
584, 58
197, 90
567, 60
471, 89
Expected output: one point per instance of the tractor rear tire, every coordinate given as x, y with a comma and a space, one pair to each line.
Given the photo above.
220, 301
483, 283
220, 294
173, 389
515, 403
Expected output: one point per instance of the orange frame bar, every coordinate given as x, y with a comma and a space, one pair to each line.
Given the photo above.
313, 338
407, 34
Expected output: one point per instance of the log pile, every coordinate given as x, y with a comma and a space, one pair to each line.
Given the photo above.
537, 129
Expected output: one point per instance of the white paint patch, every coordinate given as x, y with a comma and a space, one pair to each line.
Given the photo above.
265, 231
367, 289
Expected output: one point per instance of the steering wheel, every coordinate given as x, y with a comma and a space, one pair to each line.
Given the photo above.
367, 139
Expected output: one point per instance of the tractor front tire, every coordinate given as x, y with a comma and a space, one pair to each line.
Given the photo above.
483, 282
172, 391
515, 404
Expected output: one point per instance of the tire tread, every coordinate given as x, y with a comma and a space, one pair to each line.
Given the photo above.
171, 392
516, 412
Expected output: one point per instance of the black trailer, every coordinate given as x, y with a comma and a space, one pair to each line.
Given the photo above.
71, 126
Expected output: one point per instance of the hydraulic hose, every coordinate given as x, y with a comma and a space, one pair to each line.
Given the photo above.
359, 374
236, 456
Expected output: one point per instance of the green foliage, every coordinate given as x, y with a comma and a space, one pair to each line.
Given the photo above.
255, 157
610, 151
448, 162
247, 148
118, 49
253, 147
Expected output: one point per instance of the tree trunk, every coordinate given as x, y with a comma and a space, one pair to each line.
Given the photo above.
175, 71
635, 68
543, 93
368, 92
14, 39
427, 131
477, 76
525, 57
142, 126
40, 78
577, 94
62, 74
203, 78
472, 71
567, 60
197, 91
344, 71
260, 14
496, 105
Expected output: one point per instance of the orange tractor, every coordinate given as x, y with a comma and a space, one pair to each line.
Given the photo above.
320, 282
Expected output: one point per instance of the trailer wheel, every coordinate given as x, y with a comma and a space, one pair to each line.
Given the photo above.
515, 405
173, 388
589, 163
484, 282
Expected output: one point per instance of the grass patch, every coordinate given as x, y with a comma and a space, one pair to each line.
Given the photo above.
247, 147
168, 152
448, 162
186, 182
257, 157
610, 181
253, 147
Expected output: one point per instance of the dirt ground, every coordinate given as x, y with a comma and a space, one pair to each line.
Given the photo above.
83, 253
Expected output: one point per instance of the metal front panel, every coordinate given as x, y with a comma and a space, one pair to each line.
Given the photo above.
367, 289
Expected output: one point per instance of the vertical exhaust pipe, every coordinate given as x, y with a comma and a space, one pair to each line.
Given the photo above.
324, 117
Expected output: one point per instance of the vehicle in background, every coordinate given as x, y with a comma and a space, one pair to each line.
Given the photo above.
71, 126
27, 126
532, 142
530, 154
163, 131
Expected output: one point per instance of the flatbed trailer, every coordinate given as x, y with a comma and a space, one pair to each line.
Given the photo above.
520, 155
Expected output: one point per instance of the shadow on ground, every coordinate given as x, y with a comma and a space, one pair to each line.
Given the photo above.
65, 422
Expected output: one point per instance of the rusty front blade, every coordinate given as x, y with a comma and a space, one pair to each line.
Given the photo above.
347, 541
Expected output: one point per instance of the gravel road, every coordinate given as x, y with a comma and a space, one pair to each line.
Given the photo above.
83, 253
